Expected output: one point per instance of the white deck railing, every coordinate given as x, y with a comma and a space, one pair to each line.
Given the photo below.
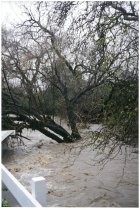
4, 138
6, 134
23, 197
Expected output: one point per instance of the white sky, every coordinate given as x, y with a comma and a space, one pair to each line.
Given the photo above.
10, 12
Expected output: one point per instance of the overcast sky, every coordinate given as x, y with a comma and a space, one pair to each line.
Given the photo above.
11, 11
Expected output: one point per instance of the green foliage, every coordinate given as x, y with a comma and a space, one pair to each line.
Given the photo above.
90, 106
101, 41
53, 101
5, 203
121, 112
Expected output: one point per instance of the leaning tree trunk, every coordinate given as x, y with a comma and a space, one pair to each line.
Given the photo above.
48, 127
30, 118
57, 130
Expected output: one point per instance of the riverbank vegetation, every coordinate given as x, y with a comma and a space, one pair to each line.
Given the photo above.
75, 60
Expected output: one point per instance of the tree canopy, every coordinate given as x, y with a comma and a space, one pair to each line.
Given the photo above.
64, 53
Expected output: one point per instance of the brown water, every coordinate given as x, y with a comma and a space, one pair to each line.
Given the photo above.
73, 176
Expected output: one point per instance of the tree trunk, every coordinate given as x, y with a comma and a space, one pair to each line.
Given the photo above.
55, 131
58, 133
72, 121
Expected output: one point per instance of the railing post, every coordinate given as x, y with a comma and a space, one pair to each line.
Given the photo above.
24, 198
39, 191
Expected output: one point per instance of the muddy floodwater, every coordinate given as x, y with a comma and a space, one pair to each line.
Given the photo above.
74, 177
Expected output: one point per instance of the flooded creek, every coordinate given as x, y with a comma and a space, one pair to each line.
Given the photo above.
72, 177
